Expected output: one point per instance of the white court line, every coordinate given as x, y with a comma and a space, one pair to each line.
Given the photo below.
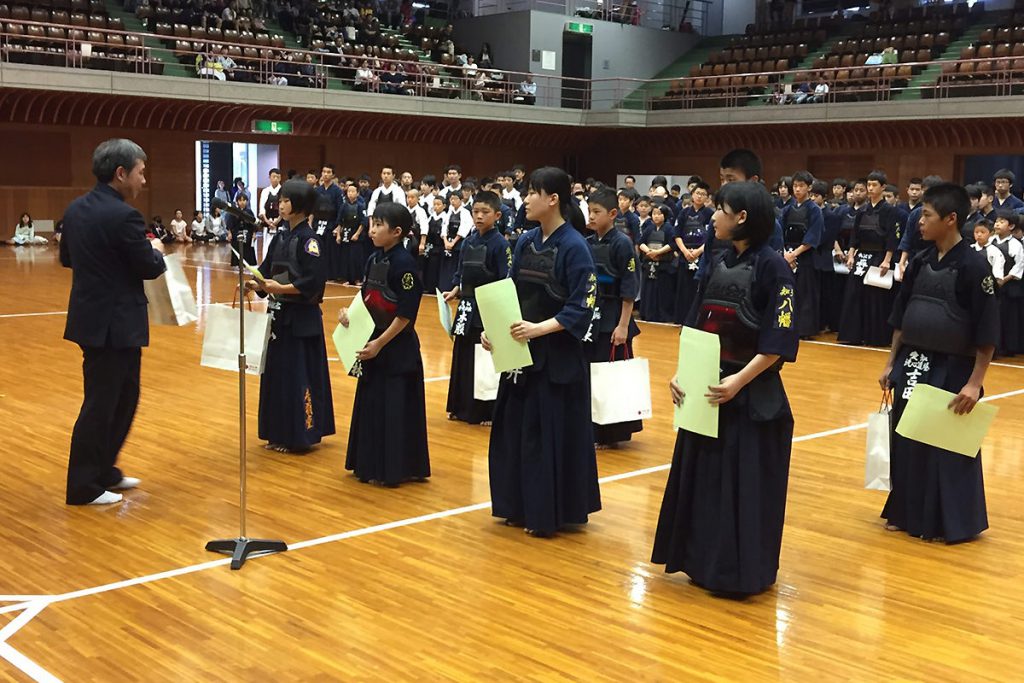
31, 609
400, 523
26, 616
26, 665
31, 315
885, 350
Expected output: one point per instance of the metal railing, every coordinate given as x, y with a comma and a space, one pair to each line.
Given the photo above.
111, 50
657, 14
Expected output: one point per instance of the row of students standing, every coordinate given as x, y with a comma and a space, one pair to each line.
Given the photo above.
542, 460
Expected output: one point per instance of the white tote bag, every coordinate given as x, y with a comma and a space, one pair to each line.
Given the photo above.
876, 468
620, 391
170, 296
220, 341
485, 379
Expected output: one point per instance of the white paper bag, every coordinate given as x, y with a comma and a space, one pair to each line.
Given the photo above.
220, 341
620, 391
876, 468
170, 296
874, 278
485, 379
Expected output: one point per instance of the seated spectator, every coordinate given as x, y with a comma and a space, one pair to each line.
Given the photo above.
471, 70
393, 80
208, 66
200, 230
217, 226
802, 93
820, 91
778, 96
158, 231
179, 228
25, 233
486, 61
527, 92
366, 79
229, 17
890, 56
227, 64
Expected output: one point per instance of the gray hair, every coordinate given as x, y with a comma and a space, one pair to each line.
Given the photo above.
114, 153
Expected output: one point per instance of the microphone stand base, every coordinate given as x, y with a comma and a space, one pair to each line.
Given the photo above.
240, 549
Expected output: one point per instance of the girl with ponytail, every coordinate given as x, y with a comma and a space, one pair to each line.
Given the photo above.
543, 467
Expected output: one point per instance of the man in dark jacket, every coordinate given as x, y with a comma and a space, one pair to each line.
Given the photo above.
105, 246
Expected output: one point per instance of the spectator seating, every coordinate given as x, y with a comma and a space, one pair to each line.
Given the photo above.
55, 32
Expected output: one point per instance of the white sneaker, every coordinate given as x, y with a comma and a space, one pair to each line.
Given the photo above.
107, 498
125, 484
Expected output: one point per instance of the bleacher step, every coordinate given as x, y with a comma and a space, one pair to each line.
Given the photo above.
156, 49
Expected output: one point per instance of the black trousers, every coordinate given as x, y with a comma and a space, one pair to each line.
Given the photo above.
108, 408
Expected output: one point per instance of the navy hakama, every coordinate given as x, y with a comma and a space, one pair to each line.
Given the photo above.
296, 409
937, 494
617, 281
483, 259
543, 467
866, 309
387, 440
722, 516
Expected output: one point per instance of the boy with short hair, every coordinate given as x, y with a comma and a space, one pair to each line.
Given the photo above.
945, 327
983, 232
1004, 180
802, 227
1010, 289
618, 285
485, 258
625, 220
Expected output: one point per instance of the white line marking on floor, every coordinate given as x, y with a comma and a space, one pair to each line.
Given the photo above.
26, 665
28, 613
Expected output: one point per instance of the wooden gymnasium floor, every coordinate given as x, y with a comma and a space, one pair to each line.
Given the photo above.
421, 583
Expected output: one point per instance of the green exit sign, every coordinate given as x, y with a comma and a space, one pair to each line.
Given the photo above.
278, 127
576, 27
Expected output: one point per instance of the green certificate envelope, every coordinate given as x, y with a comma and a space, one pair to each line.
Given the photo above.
444, 311
928, 419
499, 310
350, 340
698, 369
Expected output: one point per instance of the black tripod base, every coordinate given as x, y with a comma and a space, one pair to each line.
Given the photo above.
240, 549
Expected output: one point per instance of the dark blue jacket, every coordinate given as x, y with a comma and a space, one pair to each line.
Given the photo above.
105, 245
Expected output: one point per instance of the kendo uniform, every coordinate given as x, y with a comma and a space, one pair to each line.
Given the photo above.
866, 309
450, 259
781, 206
485, 259
946, 310
433, 252
296, 408
104, 243
387, 441
1011, 203
804, 224
725, 501
617, 280
657, 303
830, 283
1011, 297
327, 212
692, 228
972, 219
248, 231
352, 254
714, 248
629, 225
543, 467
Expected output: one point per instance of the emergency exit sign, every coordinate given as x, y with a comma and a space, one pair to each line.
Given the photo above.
277, 127
576, 27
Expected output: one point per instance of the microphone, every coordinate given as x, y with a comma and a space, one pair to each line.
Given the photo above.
217, 203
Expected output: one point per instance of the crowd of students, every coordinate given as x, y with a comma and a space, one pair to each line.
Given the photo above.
760, 270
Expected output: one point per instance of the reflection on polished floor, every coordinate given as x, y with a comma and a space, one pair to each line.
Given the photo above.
448, 593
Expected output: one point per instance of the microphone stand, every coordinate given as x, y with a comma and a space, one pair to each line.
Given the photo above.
242, 548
